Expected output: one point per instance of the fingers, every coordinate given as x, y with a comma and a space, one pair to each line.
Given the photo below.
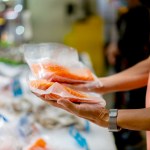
69, 105
61, 103
55, 104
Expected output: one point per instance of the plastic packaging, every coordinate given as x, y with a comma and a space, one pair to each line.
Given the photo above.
55, 91
53, 66
57, 63
39, 144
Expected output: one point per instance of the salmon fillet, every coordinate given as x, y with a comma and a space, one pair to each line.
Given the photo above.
39, 144
58, 73
43, 84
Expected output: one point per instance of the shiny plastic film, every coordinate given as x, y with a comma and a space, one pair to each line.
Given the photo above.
56, 73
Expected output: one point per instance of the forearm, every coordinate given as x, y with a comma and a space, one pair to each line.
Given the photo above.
134, 77
134, 119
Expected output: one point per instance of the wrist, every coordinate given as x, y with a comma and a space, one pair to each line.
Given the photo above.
104, 89
113, 116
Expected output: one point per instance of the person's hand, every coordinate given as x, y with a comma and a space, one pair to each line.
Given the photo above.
92, 112
94, 86
111, 53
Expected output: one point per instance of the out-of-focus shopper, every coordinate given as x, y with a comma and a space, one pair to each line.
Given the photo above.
133, 28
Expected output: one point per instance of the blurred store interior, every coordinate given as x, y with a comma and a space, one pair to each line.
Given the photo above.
85, 25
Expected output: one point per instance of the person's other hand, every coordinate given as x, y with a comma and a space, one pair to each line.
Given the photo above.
96, 87
111, 53
92, 112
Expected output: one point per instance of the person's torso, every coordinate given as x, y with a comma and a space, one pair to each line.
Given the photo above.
148, 106
133, 34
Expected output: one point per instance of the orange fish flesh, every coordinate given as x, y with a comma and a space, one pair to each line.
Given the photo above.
58, 73
77, 96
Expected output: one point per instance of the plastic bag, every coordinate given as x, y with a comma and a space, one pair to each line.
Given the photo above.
52, 66
55, 91
57, 63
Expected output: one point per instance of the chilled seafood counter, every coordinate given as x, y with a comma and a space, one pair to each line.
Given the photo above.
28, 123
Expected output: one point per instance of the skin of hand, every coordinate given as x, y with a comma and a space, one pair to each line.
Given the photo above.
88, 87
111, 53
92, 112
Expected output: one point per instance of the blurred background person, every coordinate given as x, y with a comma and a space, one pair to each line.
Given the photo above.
133, 28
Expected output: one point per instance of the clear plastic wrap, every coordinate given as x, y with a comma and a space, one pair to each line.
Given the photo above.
53, 66
57, 63
55, 91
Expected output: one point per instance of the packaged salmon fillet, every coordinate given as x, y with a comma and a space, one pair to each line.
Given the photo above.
55, 91
58, 63
40, 144
57, 73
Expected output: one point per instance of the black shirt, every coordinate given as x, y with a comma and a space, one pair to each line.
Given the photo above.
134, 30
